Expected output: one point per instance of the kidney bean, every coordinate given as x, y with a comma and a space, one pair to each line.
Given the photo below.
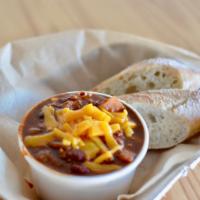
79, 169
73, 97
56, 145
74, 155
41, 115
78, 155
82, 94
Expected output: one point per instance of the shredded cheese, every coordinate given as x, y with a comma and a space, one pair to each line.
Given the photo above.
90, 129
49, 117
101, 168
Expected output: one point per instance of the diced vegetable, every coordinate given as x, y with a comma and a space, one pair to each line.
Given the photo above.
113, 105
126, 155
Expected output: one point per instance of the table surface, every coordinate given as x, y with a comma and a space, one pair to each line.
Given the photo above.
172, 21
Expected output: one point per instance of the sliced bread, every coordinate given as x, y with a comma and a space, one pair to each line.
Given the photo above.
160, 73
172, 115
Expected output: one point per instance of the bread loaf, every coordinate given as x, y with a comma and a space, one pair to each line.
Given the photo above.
172, 115
160, 73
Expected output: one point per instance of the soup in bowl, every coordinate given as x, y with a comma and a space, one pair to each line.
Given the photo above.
83, 145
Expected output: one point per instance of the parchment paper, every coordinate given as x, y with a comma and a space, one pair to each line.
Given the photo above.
35, 68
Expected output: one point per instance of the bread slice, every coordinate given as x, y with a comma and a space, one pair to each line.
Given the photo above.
160, 73
172, 115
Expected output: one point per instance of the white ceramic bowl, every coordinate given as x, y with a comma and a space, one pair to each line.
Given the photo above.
53, 185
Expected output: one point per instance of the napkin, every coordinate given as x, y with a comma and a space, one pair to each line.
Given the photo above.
36, 68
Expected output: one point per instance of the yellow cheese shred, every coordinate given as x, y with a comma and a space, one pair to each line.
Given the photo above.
99, 143
66, 127
110, 140
66, 142
101, 168
90, 149
108, 155
38, 140
49, 117
82, 127
115, 127
103, 157
87, 110
128, 129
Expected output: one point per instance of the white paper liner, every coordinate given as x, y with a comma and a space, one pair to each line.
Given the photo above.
35, 68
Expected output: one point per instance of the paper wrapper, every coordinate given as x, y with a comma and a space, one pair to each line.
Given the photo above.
35, 68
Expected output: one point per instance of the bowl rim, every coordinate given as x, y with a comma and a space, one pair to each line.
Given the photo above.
47, 170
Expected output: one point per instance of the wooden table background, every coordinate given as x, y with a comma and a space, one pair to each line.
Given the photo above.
175, 22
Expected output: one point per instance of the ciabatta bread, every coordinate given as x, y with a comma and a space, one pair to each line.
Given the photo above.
160, 73
172, 115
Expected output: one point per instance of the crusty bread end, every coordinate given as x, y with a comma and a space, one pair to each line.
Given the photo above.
172, 115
